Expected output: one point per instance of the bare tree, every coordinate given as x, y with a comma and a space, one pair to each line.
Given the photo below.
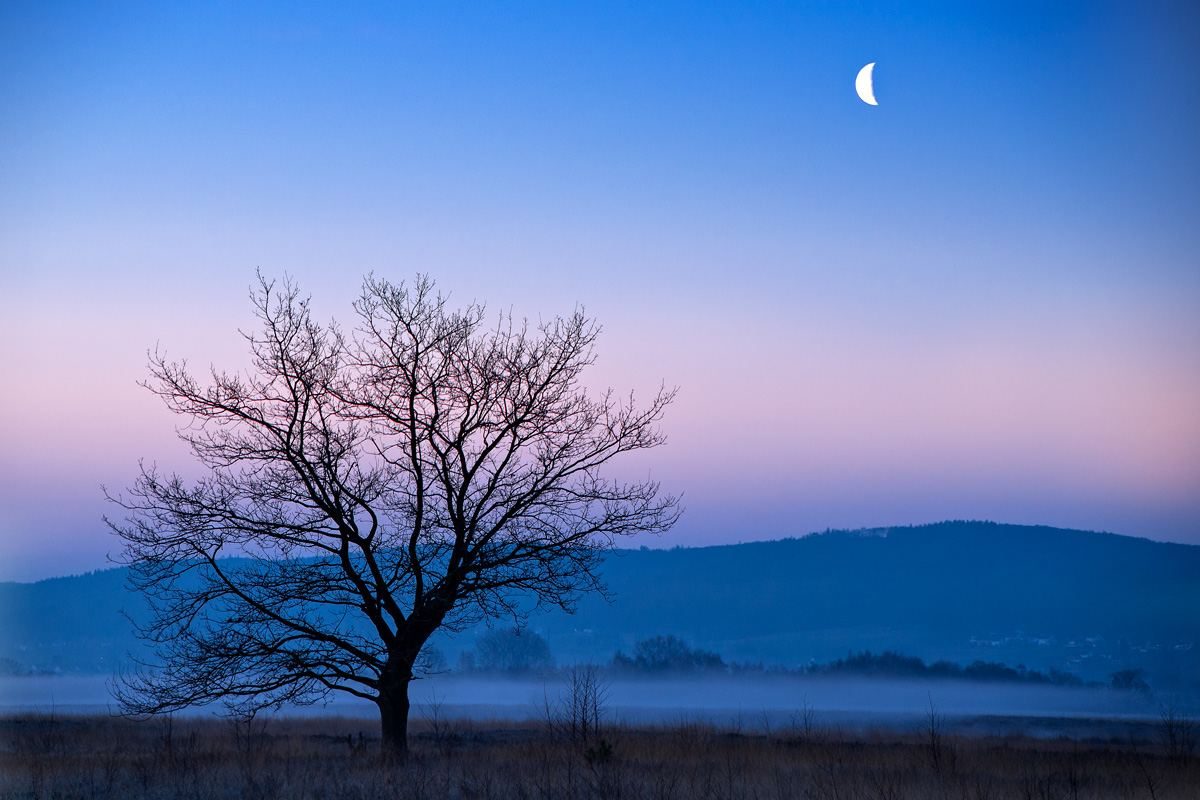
578, 715
1178, 729
365, 489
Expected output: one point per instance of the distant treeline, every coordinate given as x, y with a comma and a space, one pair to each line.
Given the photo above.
514, 651
891, 664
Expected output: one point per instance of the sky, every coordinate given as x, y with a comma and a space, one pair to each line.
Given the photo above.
979, 299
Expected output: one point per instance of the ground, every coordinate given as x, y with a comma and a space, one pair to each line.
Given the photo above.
326, 757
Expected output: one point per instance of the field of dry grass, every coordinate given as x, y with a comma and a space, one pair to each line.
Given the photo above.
323, 757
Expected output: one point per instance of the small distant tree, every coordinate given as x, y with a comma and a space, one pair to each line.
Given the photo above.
1129, 680
512, 650
432, 661
365, 489
668, 654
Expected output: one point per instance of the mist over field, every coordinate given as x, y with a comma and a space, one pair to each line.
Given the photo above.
748, 702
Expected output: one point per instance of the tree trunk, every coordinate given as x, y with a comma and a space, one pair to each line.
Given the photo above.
393, 714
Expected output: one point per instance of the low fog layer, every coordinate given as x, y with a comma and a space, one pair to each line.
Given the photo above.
748, 702
725, 698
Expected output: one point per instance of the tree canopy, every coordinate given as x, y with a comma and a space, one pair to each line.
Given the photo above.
366, 488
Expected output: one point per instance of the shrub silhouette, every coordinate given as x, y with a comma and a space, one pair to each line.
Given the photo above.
668, 654
512, 650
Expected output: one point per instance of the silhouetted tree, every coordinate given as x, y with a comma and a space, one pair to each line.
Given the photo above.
365, 489
667, 654
512, 650
1130, 680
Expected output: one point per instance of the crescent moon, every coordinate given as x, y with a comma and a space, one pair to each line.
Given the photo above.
862, 84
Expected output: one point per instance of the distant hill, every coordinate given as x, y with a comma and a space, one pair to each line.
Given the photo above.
1082, 601
72, 624
927, 590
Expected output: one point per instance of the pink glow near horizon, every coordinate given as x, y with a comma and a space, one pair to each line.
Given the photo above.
824, 430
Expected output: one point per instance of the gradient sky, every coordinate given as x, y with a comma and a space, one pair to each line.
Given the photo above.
979, 299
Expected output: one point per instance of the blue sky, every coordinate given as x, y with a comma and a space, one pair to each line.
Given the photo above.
979, 299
